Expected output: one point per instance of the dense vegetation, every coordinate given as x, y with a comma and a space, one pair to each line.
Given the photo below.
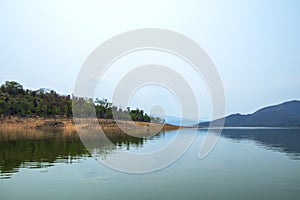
17, 101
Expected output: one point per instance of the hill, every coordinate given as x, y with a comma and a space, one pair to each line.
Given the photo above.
286, 114
15, 101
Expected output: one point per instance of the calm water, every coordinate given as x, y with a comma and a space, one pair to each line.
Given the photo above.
245, 164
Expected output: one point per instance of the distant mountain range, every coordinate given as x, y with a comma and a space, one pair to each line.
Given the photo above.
177, 121
282, 115
180, 122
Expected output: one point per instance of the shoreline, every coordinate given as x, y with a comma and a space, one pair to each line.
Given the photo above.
69, 124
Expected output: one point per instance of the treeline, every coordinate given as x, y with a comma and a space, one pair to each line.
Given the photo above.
17, 101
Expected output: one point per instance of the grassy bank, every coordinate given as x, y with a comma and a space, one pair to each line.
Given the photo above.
68, 124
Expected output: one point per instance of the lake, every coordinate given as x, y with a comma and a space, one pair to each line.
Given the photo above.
245, 164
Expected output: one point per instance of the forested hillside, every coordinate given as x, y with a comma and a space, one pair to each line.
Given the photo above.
20, 102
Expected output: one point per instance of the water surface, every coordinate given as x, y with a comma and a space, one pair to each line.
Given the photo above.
245, 164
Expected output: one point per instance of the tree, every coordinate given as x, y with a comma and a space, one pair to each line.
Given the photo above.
15, 101
13, 88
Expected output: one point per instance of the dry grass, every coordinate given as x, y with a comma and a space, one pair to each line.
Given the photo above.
67, 125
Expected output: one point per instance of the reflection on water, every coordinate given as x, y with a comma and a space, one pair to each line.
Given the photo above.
30, 148
283, 140
38, 149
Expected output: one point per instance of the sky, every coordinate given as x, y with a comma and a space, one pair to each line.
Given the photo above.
255, 46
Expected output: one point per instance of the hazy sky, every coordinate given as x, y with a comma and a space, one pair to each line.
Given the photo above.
255, 45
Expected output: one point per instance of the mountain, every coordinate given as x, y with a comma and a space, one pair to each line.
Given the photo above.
282, 115
180, 122
177, 121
